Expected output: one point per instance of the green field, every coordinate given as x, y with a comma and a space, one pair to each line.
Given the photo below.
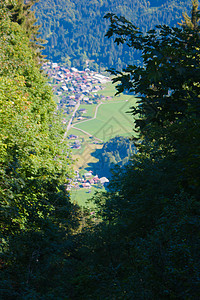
112, 119
78, 133
90, 109
109, 90
81, 197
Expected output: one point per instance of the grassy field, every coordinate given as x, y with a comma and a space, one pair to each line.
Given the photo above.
83, 156
109, 90
90, 109
112, 119
81, 197
78, 133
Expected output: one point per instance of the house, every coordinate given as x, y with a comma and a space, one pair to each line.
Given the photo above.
104, 180
71, 103
72, 136
86, 185
91, 181
96, 179
74, 70
64, 88
89, 174
83, 110
55, 66
76, 145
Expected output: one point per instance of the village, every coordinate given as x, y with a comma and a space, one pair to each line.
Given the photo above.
71, 88
72, 85
87, 181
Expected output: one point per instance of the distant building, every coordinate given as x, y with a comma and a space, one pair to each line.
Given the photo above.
83, 110
74, 69
86, 185
104, 180
64, 88
71, 103
89, 174
91, 181
72, 136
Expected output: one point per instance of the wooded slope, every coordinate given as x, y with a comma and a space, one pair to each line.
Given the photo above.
75, 30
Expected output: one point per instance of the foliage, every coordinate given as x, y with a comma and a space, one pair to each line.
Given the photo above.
36, 216
75, 30
20, 11
146, 245
117, 150
142, 239
167, 114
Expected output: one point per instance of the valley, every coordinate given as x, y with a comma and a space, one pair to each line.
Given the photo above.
92, 115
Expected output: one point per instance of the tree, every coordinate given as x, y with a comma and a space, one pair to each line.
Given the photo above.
37, 218
146, 246
168, 89
193, 21
72, 27
21, 12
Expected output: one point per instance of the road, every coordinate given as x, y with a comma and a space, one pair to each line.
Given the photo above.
90, 135
70, 121
77, 123
95, 115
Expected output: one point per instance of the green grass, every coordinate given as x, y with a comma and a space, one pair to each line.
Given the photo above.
78, 133
56, 99
83, 156
111, 120
109, 90
90, 108
81, 197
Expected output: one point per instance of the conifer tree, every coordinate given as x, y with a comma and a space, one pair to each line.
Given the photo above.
148, 240
21, 12
193, 21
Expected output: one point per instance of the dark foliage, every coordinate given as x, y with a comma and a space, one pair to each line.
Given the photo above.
117, 150
75, 30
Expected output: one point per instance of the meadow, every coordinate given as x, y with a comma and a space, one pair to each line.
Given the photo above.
82, 157
81, 196
112, 120
90, 110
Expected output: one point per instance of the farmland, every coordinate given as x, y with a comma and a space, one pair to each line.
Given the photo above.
112, 119
101, 122
82, 196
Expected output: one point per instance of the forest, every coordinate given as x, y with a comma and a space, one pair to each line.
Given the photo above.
117, 150
75, 30
142, 239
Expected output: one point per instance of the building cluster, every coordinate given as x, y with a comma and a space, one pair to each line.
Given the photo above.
86, 181
72, 85
72, 88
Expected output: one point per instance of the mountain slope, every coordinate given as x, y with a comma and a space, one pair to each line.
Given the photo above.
75, 30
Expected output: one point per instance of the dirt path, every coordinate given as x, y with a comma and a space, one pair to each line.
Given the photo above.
90, 135
77, 123
70, 121
95, 115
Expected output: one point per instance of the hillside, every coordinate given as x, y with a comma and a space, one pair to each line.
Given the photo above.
75, 30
